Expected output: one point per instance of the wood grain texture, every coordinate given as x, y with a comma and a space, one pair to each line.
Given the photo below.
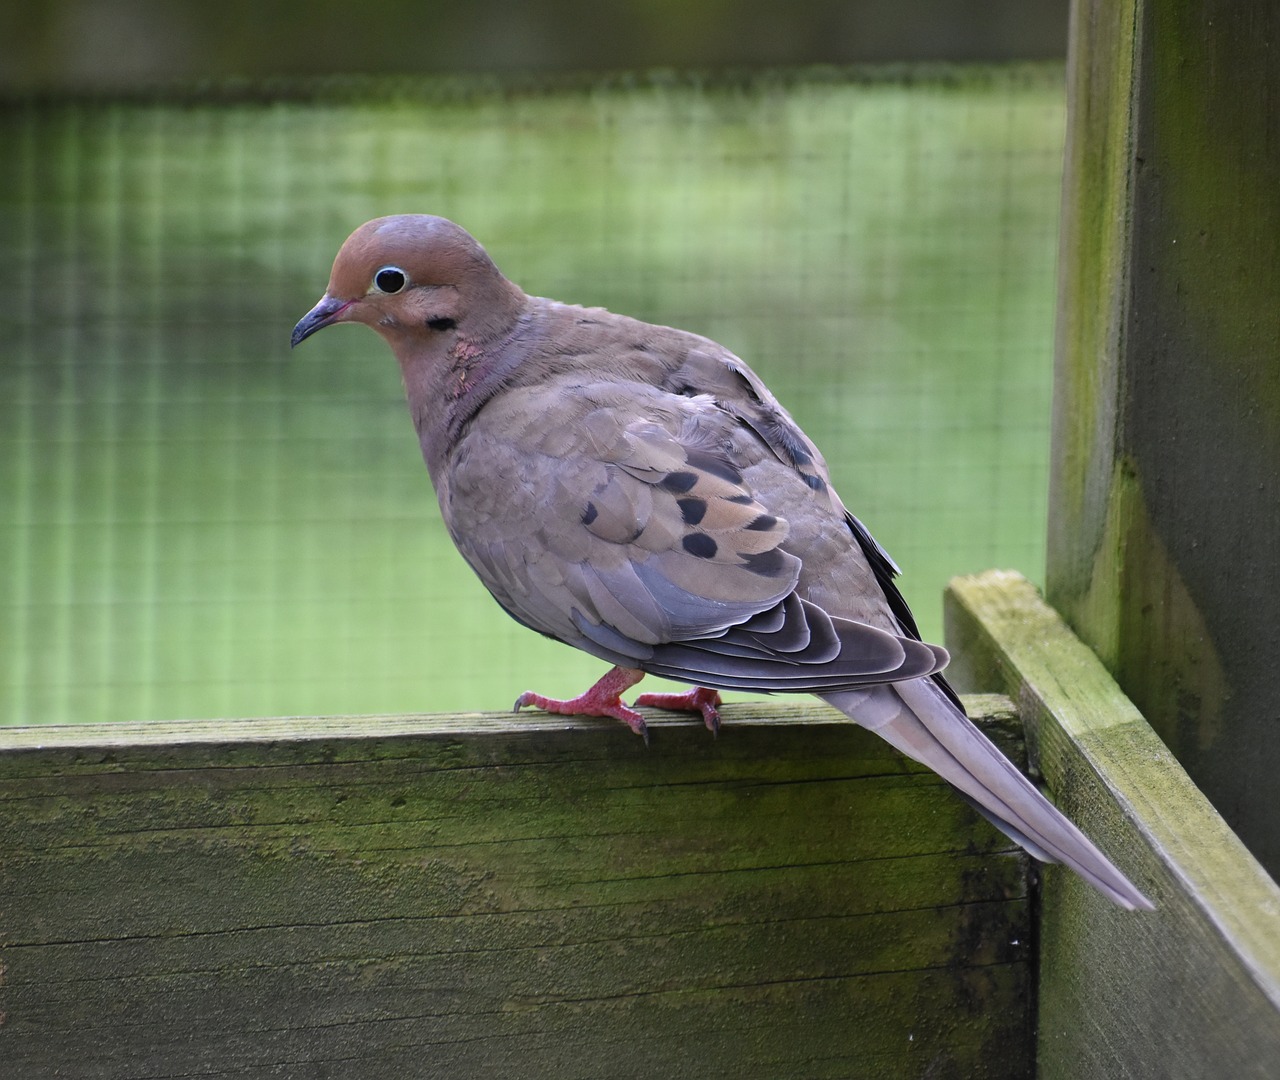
1164, 505
1191, 990
503, 896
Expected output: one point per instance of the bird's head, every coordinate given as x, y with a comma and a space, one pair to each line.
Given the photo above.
414, 278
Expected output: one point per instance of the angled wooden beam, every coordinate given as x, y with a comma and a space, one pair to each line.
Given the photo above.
1191, 990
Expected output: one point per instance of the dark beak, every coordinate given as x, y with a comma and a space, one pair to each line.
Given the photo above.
329, 310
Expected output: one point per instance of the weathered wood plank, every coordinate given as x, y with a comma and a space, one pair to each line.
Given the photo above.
1192, 990
1164, 502
525, 896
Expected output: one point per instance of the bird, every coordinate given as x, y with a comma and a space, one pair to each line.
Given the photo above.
637, 492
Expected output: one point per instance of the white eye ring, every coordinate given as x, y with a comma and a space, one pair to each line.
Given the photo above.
390, 279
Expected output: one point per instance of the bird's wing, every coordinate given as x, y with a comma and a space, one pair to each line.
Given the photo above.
709, 368
857, 583
644, 528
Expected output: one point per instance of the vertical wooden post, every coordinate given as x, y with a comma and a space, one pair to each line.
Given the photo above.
1164, 530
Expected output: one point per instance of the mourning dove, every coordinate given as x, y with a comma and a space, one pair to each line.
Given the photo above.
637, 492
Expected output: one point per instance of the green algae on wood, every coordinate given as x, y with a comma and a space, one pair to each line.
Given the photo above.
1164, 504
504, 895
1191, 990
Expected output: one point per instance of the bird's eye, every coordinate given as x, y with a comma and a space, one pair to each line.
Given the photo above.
390, 279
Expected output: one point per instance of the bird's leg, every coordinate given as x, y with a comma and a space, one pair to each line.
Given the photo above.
699, 700
603, 699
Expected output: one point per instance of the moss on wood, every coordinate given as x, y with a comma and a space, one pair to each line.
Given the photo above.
491, 895
1191, 990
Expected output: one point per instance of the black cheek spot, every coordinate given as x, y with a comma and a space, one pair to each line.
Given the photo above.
701, 545
693, 510
767, 563
814, 481
441, 323
763, 523
589, 514
678, 482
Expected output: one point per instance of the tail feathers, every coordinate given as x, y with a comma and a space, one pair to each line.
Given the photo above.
918, 719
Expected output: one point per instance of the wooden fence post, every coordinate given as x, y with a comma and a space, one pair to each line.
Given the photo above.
1164, 529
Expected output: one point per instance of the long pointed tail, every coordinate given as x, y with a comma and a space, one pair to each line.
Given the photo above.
917, 718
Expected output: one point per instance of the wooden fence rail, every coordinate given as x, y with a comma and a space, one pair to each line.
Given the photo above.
537, 896
503, 896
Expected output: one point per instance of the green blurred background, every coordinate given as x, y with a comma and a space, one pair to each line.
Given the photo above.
199, 524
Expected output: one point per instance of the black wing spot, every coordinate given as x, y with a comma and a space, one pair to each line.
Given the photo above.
815, 481
693, 510
767, 563
678, 482
589, 514
763, 523
741, 500
716, 466
701, 545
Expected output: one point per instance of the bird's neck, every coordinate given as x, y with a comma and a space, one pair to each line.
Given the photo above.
449, 377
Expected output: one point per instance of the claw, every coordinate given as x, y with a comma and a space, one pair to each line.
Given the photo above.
603, 699
699, 700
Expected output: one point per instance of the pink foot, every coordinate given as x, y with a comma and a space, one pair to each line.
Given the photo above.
603, 699
699, 700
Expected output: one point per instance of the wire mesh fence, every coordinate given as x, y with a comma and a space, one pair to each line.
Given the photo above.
198, 524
